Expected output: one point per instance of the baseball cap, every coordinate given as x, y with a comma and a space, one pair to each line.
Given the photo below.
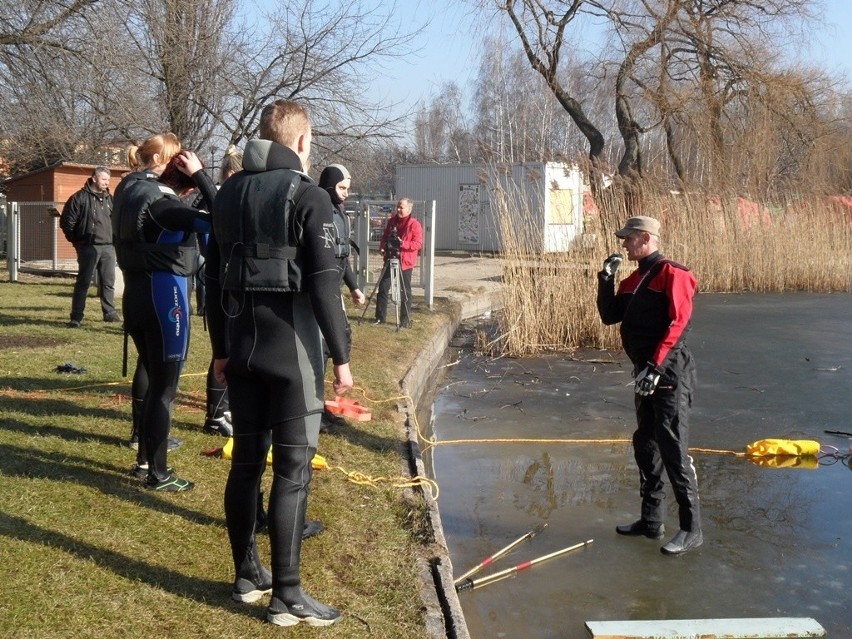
639, 223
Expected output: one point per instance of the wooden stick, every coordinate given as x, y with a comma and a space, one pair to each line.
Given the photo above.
489, 560
470, 584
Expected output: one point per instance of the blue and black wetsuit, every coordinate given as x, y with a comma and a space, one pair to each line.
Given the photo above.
156, 253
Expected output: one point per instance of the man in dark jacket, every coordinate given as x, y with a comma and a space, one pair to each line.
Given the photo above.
654, 306
272, 256
86, 223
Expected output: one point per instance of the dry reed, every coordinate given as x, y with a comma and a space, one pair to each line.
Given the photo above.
731, 244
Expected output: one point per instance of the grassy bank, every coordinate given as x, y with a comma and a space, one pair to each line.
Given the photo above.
87, 552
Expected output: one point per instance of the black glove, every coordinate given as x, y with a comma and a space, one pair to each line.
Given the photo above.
647, 380
611, 264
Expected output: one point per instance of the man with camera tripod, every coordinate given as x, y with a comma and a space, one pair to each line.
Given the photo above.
402, 240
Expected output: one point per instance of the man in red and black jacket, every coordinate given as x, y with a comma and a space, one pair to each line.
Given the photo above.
402, 239
654, 306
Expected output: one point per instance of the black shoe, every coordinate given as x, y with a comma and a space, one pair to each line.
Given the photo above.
248, 591
139, 471
377, 321
74, 324
312, 528
305, 610
115, 317
173, 443
639, 528
219, 426
683, 541
171, 484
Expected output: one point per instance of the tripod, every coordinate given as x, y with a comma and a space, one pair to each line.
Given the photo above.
396, 291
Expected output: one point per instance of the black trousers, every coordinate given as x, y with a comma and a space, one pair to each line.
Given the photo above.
661, 443
100, 257
404, 293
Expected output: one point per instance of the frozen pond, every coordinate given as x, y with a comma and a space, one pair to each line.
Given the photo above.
778, 541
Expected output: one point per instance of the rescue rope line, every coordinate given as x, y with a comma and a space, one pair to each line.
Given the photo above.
432, 442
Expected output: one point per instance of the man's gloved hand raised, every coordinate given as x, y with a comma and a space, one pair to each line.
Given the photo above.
611, 264
647, 380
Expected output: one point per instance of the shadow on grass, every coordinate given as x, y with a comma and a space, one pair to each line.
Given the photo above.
42, 407
364, 438
126, 566
105, 478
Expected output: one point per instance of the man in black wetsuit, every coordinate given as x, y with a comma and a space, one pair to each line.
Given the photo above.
272, 253
654, 306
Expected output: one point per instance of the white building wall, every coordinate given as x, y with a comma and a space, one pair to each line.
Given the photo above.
550, 201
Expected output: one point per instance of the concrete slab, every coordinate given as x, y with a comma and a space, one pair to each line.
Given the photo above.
766, 628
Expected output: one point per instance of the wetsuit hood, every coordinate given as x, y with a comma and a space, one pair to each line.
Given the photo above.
266, 155
330, 177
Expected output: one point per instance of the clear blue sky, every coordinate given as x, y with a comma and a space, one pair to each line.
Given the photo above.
450, 42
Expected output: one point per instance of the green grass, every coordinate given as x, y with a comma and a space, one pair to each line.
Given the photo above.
87, 552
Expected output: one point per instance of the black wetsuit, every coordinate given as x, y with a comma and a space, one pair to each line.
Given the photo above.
156, 310
654, 306
272, 339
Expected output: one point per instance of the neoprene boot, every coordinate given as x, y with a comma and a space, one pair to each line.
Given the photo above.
253, 580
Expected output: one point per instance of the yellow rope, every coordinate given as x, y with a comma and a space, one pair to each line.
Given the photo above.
432, 442
359, 478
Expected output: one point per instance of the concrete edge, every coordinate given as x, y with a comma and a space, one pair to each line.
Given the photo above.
444, 615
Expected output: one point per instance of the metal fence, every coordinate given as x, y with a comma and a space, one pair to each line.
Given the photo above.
371, 216
34, 242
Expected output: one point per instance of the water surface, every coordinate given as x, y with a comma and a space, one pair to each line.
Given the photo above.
777, 540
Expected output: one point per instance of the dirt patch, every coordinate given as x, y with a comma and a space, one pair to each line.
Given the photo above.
25, 341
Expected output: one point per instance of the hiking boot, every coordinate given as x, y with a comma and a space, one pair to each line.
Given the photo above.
651, 530
219, 426
248, 591
171, 484
305, 609
683, 541
139, 471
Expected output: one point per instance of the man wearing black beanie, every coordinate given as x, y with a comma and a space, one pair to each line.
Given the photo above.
336, 180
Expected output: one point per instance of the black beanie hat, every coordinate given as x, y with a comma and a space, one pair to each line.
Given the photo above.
330, 177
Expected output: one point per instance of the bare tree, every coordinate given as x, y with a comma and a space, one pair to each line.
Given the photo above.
541, 30
29, 24
189, 67
325, 56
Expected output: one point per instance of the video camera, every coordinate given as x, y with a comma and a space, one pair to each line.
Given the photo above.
393, 245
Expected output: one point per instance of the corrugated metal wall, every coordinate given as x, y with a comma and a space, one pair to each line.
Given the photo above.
465, 216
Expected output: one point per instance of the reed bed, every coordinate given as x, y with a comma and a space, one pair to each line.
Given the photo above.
732, 245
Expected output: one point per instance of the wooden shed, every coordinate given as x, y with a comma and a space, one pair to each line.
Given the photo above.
41, 236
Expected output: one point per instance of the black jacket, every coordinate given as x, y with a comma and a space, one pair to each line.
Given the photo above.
85, 218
